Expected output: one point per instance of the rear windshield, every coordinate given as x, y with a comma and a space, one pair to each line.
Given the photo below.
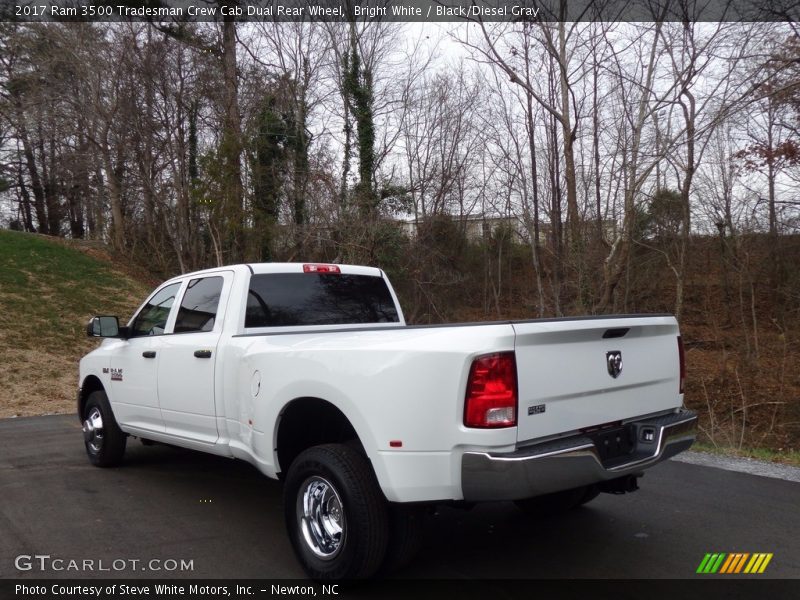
285, 299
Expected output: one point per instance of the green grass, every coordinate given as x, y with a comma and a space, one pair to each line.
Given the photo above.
789, 457
49, 290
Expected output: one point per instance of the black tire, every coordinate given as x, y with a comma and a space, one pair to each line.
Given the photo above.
405, 536
347, 533
557, 502
104, 440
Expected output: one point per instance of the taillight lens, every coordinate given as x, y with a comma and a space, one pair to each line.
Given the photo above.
314, 268
682, 359
492, 392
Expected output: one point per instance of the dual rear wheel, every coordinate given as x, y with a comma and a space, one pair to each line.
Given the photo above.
339, 523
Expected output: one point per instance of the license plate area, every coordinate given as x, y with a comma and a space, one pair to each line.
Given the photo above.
614, 445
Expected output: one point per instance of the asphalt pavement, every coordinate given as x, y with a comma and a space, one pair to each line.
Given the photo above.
222, 519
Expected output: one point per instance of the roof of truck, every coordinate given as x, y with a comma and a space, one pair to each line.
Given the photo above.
286, 267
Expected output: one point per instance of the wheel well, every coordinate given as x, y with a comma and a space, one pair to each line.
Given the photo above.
308, 422
90, 384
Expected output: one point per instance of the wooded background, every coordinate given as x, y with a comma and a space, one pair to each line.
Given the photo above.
505, 170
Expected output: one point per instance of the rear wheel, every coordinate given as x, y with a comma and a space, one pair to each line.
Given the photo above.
557, 502
104, 440
336, 515
405, 536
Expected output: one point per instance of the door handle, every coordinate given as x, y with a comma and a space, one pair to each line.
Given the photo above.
149, 354
202, 353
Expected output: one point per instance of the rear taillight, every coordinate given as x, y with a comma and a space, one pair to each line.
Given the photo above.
321, 269
492, 392
682, 359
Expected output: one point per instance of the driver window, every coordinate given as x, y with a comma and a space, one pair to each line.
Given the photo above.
152, 319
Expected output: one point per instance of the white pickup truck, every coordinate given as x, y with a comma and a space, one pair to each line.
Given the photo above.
309, 372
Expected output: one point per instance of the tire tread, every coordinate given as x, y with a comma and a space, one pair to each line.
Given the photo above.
365, 509
115, 439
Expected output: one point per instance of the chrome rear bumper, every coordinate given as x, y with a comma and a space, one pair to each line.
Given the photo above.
572, 462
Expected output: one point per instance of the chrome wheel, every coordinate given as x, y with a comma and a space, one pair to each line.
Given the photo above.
93, 430
336, 515
320, 515
104, 440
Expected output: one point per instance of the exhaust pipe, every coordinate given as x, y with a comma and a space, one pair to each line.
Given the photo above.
621, 485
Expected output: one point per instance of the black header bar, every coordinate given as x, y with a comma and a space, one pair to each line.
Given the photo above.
399, 10
710, 588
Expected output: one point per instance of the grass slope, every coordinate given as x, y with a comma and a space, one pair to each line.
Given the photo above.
48, 291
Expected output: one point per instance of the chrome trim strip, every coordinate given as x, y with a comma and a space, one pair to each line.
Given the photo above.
570, 450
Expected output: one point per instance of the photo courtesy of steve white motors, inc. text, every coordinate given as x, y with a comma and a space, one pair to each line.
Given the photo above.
171, 589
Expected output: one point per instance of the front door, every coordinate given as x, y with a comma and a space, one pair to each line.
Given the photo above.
134, 364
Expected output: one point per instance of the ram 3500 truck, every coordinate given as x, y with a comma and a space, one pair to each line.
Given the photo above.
309, 372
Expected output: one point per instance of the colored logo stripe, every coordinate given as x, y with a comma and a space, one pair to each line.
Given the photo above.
758, 563
734, 563
703, 563
723, 563
732, 559
711, 563
741, 563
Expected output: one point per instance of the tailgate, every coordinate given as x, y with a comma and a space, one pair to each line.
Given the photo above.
566, 383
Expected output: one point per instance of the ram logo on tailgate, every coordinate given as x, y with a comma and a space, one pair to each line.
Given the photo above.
614, 362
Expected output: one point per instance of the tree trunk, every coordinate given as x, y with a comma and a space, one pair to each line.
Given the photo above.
115, 199
596, 151
232, 145
25, 203
686, 215
301, 163
537, 263
33, 172
50, 187
617, 259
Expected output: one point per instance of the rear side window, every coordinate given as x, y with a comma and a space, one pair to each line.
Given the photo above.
199, 305
285, 299
152, 319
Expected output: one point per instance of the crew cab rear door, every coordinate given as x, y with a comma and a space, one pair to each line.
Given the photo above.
579, 373
187, 359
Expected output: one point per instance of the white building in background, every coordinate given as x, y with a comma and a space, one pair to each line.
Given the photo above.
476, 227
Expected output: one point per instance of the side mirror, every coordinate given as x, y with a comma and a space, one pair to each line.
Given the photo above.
105, 327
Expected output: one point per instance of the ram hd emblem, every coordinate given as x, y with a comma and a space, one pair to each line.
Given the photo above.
614, 363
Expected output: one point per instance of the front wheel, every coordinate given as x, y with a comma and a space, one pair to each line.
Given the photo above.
336, 515
104, 440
